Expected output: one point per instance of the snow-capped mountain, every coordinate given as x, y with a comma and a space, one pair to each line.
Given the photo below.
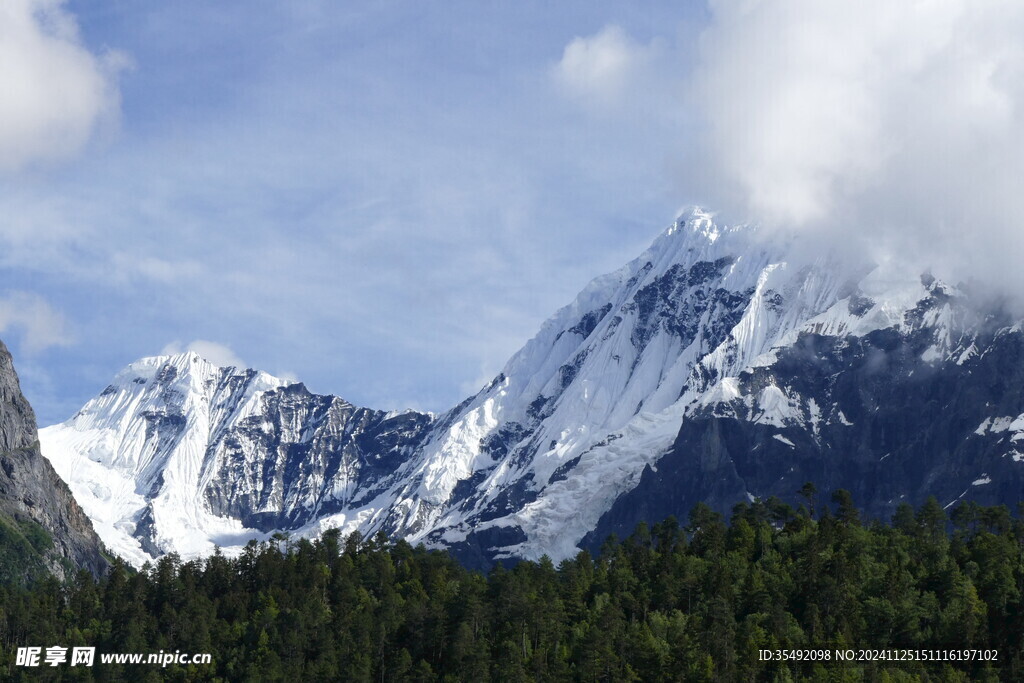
711, 367
179, 455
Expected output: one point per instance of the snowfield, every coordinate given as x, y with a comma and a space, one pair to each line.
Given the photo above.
180, 455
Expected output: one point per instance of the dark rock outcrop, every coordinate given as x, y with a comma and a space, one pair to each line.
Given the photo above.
889, 426
42, 528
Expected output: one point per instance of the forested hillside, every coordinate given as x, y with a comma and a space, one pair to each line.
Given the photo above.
687, 602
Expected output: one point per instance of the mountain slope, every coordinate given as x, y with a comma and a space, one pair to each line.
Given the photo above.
894, 415
41, 527
177, 454
701, 341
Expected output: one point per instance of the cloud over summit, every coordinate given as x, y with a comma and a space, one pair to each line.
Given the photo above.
898, 124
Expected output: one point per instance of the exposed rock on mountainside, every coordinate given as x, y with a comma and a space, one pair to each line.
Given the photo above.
41, 525
713, 367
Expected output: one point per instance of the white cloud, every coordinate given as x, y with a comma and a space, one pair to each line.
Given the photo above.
218, 354
55, 92
601, 69
898, 124
287, 376
127, 265
39, 324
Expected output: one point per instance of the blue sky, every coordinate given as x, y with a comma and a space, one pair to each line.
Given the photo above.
386, 199
383, 201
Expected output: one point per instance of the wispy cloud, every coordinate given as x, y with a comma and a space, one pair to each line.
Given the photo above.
218, 354
39, 325
386, 202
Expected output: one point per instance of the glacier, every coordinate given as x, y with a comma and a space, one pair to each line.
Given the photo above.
179, 455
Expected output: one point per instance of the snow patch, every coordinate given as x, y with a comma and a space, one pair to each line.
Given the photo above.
968, 353
776, 408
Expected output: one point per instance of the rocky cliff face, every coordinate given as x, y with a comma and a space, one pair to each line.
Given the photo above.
41, 524
713, 367
894, 415
178, 454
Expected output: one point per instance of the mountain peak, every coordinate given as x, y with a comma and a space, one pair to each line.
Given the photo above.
691, 216
189, 364
710, 328
149, 366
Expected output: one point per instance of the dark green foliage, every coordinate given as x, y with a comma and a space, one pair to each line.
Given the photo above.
23, 545
666, 604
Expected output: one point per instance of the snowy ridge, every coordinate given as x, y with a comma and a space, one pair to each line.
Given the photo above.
148, 432
180, 455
